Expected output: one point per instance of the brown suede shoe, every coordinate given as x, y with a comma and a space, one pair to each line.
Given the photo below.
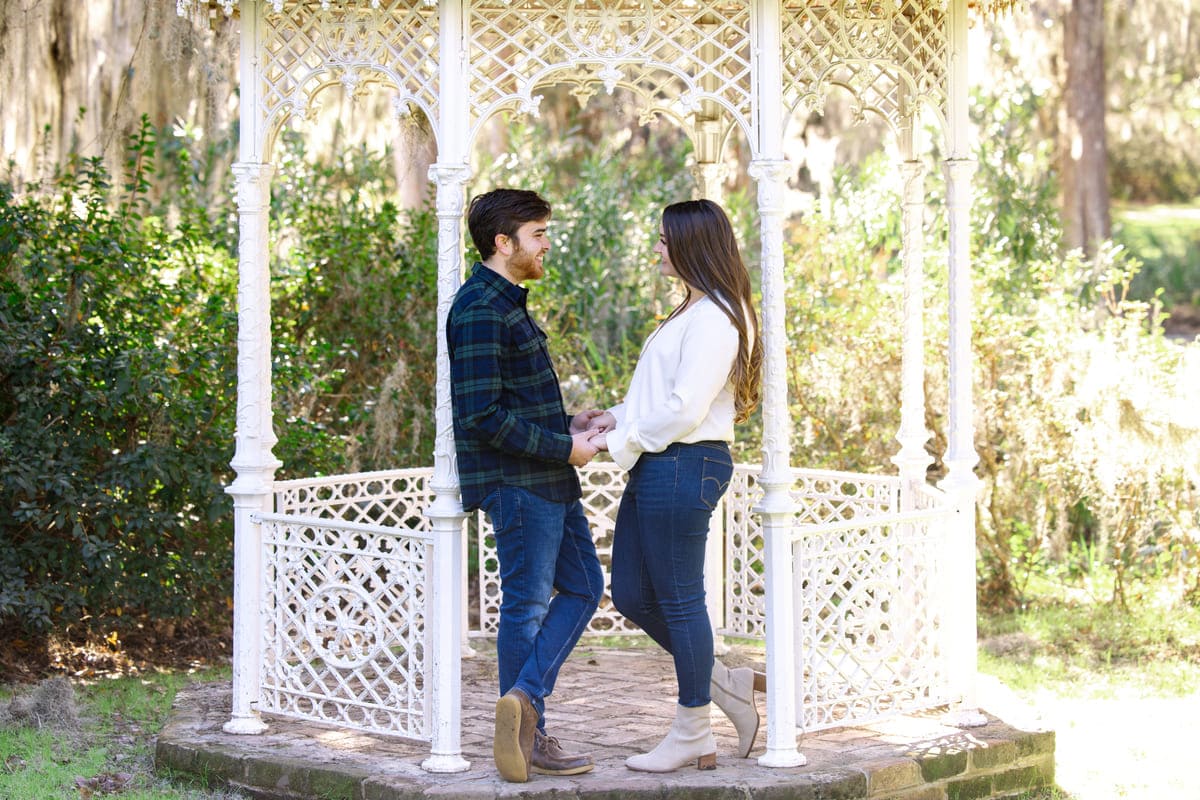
549, 759
516, 722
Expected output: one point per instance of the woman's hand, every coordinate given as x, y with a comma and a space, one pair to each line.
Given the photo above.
585, 420
602, 422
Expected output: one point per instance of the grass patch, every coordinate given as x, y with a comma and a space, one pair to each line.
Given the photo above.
1119, 688
107, 749
1047, 793
1068, 642
1166, 239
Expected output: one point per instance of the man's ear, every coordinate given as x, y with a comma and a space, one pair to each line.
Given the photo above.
504, 245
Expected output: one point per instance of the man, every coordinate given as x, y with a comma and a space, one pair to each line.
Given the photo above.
517, 453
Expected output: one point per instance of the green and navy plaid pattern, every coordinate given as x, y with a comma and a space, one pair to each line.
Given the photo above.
510, 427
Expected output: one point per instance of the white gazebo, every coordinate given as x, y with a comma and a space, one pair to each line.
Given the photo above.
349, 591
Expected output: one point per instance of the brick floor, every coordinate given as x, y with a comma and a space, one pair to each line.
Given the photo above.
612, 703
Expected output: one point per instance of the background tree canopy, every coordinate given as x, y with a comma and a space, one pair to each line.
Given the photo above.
118, 290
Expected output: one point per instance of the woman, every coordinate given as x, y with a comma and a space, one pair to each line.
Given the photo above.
699, 372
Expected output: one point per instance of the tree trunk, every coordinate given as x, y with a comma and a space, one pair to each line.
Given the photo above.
1086, 218
118, 59
114, 60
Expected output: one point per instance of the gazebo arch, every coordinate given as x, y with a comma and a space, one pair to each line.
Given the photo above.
348, 599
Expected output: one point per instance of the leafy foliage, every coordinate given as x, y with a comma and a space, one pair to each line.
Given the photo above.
353, 304
1154, 110
1087, 452
116, 368
117, 348
1086, 455
842, 309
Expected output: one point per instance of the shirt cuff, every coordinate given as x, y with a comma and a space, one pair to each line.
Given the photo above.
561, 445
619, 447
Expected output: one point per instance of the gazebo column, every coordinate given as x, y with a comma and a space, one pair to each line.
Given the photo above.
446, 515
253, 459
912, 459
710, 178
777, 509
443, 690
960, 482
709, 174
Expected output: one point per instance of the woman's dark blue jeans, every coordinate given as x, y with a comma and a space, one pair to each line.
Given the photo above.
658, 555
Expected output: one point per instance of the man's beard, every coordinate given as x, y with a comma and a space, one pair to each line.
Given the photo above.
524, 265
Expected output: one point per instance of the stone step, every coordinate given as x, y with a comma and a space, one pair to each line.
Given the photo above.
612, 703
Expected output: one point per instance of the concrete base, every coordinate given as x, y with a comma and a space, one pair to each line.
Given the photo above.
611, 703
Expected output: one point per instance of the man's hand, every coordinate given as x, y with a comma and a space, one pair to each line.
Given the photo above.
584, 420
582, 449
600, 440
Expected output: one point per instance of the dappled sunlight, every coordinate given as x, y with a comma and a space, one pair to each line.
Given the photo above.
1130, 747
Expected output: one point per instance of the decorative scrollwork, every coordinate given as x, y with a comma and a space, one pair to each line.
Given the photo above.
343, 625
608, 29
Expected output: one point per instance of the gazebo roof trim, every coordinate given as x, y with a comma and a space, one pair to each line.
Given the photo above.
988, 8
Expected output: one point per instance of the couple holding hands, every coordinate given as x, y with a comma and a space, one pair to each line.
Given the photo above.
517, 449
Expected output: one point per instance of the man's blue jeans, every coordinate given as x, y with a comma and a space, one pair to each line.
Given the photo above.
658, 555
544, 547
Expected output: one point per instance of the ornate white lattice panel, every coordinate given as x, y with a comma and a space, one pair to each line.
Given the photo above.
346, 572
393, 498
682, 59
821, 497
869, 597
890, 55
745, 606
675, 56
825, 497
602, 487
344, 624
391, 42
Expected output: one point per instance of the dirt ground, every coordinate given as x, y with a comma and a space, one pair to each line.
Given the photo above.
26, 659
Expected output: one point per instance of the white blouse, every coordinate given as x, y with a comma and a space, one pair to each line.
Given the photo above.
680, 391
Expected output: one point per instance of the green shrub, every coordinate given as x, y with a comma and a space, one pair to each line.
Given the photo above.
116, 375
1083, 443
354, 297
1086, 451
843, 311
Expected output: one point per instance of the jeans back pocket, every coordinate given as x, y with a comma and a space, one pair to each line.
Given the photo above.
715, 473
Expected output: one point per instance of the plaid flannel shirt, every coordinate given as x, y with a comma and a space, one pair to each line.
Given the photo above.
510, 427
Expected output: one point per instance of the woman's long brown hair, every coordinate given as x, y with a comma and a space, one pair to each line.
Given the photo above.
705, 255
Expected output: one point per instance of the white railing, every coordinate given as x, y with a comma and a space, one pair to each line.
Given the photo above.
344, 623
821, 497
346, 611
869, 599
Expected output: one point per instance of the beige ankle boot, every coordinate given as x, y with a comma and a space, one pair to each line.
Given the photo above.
733, 692
690, 739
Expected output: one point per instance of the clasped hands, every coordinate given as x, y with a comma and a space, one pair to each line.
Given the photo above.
589, 434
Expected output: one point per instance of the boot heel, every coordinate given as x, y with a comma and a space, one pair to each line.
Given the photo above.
707, 761
760, 682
